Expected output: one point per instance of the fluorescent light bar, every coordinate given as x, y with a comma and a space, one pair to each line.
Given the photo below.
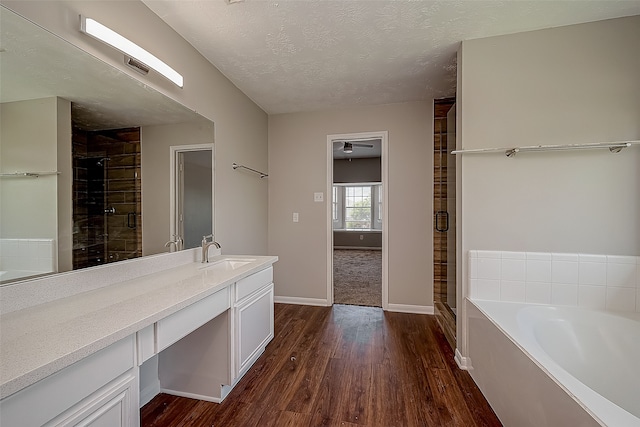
106, 35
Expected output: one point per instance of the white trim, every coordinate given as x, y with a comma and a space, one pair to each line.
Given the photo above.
360, 248
414, 309
301, 301
464, 363
384, 137
191, 395
149, 392
358, 230
173, 151
385, 221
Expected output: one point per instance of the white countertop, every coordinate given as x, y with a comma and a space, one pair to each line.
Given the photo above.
38, 341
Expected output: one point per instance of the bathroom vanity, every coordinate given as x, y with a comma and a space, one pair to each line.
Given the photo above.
76, 360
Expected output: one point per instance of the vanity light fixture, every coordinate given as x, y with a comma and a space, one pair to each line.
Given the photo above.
106, 35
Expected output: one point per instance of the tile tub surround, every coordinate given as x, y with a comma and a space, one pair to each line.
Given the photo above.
28, 255
606, 282
40, 340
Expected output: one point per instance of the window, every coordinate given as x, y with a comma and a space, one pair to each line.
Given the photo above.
357, 207
379, 194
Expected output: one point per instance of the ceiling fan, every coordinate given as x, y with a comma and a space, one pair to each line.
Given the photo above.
347, 146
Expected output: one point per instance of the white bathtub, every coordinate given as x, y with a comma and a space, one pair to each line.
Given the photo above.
549, 365
11, 275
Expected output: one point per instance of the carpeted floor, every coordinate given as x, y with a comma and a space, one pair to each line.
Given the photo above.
357, 277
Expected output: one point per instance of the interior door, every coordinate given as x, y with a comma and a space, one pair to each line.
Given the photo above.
193, 196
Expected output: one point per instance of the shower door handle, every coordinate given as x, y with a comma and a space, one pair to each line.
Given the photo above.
131, 220
439, 214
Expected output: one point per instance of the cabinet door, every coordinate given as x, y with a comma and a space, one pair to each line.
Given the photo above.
115, 405
254, 328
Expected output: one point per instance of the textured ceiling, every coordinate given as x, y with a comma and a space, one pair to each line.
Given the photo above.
294, 55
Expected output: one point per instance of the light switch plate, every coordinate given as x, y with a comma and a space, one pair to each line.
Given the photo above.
295, 217
318, 197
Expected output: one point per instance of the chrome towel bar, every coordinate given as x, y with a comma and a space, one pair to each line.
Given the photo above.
262, 174
614, 147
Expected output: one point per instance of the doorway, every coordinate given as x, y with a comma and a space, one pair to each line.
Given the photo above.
191, 195
444, 206
357, 219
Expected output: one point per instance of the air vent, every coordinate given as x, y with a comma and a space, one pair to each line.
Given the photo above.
136, 65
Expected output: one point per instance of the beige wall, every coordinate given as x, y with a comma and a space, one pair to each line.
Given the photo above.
240, 125
566, 85
298, 168
357, 170
36, 137
64, 186
155, 143
29, 144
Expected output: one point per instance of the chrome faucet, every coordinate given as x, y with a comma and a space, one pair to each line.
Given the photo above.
177, 241
206, 245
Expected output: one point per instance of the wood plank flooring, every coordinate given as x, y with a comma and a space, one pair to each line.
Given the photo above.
341, 366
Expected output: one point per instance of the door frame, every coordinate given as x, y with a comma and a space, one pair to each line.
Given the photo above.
173, 155
384, 137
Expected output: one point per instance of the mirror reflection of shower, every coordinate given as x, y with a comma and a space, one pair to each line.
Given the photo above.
102, 160
106, 199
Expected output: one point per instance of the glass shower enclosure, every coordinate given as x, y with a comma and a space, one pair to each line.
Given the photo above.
107, 223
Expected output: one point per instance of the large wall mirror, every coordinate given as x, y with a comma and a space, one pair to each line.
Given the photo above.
84, 156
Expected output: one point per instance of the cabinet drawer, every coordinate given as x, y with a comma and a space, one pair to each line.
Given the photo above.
172, 328
249, 285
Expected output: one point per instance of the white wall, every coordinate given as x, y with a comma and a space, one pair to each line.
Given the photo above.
240, 125
565, 85
298, 168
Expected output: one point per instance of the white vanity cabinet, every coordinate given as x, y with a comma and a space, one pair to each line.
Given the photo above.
221, 344
100, 390
200, 350
253, 319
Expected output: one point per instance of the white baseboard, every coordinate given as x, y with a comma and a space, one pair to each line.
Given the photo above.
414, 309
301, 301
464, 363
191, 395
400, 308
149, 392
360, 248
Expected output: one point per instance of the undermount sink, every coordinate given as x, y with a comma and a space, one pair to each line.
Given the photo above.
227, 264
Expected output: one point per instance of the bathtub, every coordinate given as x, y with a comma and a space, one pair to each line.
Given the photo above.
15, 275
550, 365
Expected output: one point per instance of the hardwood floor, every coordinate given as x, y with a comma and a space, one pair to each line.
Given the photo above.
342, 366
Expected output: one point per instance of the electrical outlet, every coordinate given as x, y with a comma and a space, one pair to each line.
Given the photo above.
361, 237
318, 197
295, 217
